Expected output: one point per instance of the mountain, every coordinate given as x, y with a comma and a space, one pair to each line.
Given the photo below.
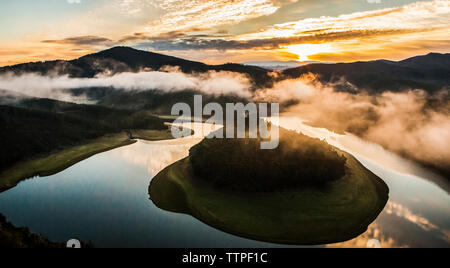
430, 61
126, 59
430, 72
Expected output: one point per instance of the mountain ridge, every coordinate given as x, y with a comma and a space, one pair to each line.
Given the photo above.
430, 72
126, 59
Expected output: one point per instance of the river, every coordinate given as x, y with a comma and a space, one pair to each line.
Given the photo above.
104, 199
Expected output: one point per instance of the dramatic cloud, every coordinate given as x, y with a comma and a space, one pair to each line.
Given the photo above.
196, 42
420, 15
373, 34
188, 14
245, 29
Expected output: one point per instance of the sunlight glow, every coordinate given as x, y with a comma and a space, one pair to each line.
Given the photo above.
305, 50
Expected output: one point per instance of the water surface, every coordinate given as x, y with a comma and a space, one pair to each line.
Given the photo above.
105, 199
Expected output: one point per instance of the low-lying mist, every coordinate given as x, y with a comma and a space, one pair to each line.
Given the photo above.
412, 123
55, 87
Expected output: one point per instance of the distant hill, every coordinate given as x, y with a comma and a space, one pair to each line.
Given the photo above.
430, 72
126, 59
431, 61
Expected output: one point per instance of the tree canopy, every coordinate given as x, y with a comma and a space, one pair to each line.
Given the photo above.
240, 164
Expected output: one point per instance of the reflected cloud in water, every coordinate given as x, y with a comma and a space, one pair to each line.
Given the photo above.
157, 155
417, 214
399, 227
373, 232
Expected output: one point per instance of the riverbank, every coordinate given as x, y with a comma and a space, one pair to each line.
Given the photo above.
60, 160
157, 135
150, 135
63, 159
13, 237
296, 217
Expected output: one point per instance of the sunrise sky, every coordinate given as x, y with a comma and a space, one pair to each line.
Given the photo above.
218, 31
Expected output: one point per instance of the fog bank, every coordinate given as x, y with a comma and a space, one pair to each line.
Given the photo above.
411, 123
214, 83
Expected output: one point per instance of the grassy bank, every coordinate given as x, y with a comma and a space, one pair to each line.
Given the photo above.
12, 237
60, 160
299, 217
40, 127
151, 135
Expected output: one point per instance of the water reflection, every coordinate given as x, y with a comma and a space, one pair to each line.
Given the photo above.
105, 199
155, 156
418, 213
374, 232
158, 155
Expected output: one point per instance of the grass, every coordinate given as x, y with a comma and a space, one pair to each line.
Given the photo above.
61, 160
172, 118
151, 135
301, 217
156, 135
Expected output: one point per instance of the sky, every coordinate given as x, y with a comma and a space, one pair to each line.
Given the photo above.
220, 31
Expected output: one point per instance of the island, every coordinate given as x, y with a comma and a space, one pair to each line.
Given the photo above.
305, 192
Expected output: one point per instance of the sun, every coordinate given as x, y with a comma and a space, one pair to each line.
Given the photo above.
305, 50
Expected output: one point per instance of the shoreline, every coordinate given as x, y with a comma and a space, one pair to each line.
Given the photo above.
61, 160
184, 194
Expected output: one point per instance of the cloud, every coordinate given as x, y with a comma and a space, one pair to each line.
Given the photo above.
369, 33
74, 1
82, 40
188, 14
420, 15
189, 42
213, 83
208, 26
